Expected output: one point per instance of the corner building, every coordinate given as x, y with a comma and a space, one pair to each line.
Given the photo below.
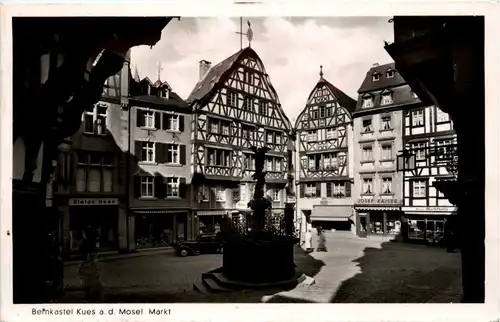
378, 126
324, 156
235, 107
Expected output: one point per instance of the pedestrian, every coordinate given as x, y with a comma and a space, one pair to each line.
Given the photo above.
321, 242
89, 271
308, 241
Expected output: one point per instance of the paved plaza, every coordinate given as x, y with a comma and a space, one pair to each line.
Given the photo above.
354, 270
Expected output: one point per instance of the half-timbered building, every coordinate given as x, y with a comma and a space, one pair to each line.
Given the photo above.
235, 107
378, 123
324, 155
428, 136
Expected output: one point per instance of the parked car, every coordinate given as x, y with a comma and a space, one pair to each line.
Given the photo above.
204, 244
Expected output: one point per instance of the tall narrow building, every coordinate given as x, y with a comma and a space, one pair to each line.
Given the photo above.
234, 108
378, 127
324, 155
429, 136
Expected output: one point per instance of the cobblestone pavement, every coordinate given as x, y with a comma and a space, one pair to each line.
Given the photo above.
354, 270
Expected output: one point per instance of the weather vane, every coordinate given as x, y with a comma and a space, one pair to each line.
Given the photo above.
321, 71
159, 69
249, 33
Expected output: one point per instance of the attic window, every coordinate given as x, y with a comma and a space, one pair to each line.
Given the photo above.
367, 102
164, 93
390, 73
376, 77
386, 99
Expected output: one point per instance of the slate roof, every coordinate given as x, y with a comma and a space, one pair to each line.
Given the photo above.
384, 82
345, 100
205, 85
218, 74
174, 101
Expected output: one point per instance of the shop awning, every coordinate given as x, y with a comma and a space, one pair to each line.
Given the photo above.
378, 208
212, 213
156, 170
157, 211
331, 213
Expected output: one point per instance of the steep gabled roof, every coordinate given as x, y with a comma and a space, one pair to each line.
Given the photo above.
383, 82
205, 85
345, 100
217, 75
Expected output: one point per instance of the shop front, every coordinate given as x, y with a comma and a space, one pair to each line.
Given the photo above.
332, 217
210, 221
102, 216
378, 216
427, 224
160, 227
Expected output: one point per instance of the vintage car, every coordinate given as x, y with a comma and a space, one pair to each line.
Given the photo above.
204, 244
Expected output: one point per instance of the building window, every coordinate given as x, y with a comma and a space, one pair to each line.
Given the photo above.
386, 99
312, 163
249, 161
269, 137
310, 190
376, 77
172, 187
225, 129
232, 98
315, 114
214, 127
248, 77
386, 122
148, 152
172, 122
444, 149
236, 193
276, 195
149, 119
367, 186
390, 74
219, 193
367, 153
441, 116
367, 125
94, 172
419, 189
147, 186
339, 189
269, 164
277, 162
331, 133
386, 185
277, 137
328, 111
95, 121
419, 150
204, 192
322, 111
219, 158
417, 118
312, 136
262, 107
248, 104
386, 151
368, 102
173, 153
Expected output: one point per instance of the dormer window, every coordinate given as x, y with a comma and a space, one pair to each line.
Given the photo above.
390, 73
367, 102
163, 93
376, 77
386, 99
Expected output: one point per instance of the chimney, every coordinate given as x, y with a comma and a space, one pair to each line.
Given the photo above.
204, 68
375, 65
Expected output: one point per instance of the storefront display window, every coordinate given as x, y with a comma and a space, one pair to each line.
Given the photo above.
424, 229
103, 221
154, 230
210, 224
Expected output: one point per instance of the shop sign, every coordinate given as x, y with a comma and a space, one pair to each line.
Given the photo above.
380, 201
290, 199
425, 209
93, 201
323, 201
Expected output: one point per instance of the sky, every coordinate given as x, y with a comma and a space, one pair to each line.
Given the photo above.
291, 48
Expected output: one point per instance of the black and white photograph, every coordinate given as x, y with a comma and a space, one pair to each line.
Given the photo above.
246, 159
